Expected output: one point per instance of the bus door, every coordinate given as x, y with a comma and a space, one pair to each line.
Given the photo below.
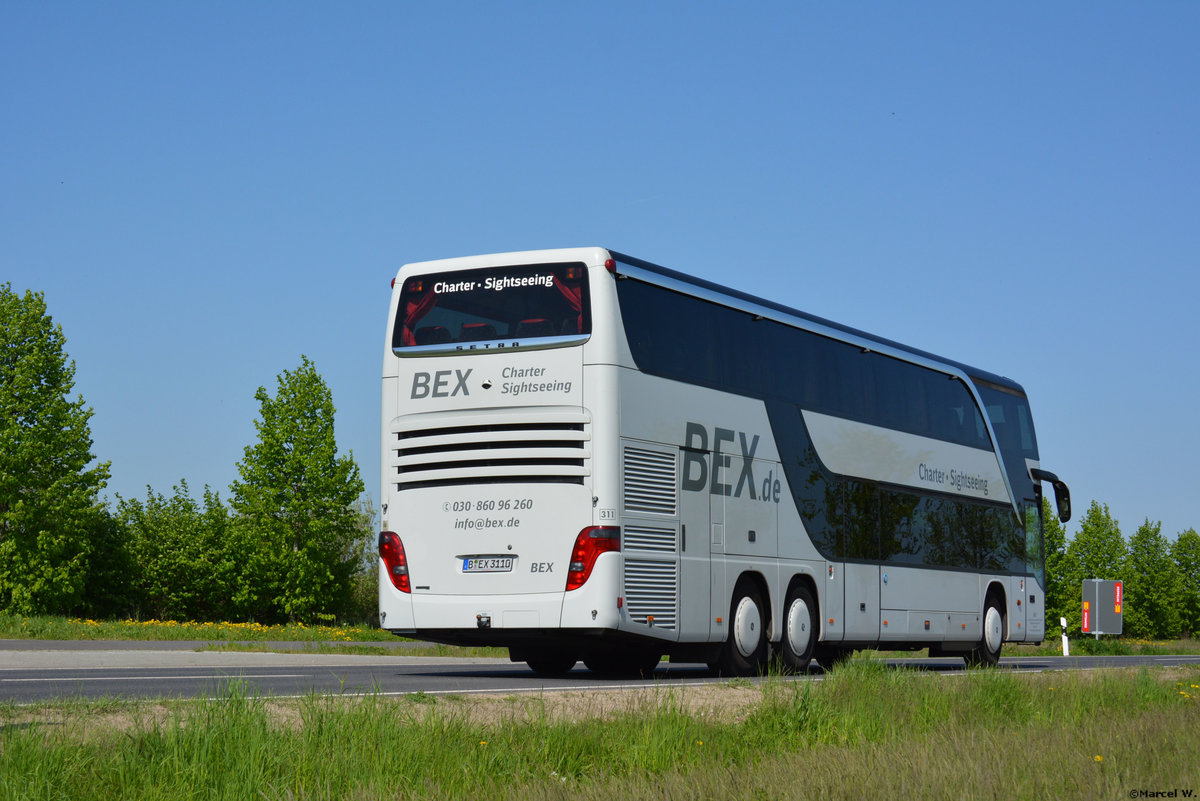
1018, 600
1024, 622
694, 567
718, 586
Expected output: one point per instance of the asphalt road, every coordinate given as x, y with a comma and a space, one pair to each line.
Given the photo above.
33, 670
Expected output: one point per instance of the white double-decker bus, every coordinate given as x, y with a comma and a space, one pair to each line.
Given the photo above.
590, 457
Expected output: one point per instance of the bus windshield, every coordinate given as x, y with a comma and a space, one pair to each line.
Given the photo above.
534, 306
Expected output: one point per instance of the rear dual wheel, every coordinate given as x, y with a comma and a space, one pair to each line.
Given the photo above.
745, 650
799, 630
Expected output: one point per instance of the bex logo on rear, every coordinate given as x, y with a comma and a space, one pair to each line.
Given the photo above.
437, 384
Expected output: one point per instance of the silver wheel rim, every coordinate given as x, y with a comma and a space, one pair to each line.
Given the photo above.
798, 632
993, 630
747, 627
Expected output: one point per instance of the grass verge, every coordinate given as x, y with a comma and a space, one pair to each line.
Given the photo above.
63, 628
865, 730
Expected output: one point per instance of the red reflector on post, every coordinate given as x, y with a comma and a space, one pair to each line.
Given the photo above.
590, 543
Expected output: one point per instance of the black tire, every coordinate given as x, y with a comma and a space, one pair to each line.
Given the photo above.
986, 652
745, 650
638, 664
800, 630
551, 663
831, 655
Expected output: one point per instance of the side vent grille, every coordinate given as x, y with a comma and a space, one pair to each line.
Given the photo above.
649, 481
635, 537
548, 444
652, 591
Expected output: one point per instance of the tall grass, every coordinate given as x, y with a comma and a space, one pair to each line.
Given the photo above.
864, 731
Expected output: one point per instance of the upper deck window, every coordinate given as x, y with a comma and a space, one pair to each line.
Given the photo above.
532, 306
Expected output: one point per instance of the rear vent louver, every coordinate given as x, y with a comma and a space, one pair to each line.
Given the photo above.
536, 445
638, 537
649, 481
652, 592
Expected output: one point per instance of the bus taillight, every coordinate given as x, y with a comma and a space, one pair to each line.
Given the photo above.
391, 551
590, 543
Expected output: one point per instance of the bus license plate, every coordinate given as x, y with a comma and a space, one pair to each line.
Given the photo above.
488, 564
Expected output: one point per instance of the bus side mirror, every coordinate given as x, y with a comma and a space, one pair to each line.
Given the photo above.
1062, 494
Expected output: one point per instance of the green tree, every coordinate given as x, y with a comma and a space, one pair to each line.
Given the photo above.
297, 524
109, 591
364, 593
49, 496
184, 567
1152, 585
1059, 595
1096, 552
1185, 552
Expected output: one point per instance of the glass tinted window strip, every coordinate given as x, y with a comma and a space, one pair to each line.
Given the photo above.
733, 352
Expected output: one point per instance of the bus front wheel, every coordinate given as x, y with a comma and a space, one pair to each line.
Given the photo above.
987, 652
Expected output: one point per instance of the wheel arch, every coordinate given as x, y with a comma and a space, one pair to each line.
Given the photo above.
756, 580
995, 591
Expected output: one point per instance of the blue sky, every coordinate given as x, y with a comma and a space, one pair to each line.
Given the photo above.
206, 191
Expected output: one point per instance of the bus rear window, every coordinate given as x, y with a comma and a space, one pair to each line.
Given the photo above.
535, 306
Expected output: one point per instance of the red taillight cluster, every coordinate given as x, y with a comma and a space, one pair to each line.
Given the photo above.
391, 551
590, 543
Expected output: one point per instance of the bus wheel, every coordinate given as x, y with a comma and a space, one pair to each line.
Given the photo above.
624, 665
799, 630
987, 652
551, 663
745, 649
